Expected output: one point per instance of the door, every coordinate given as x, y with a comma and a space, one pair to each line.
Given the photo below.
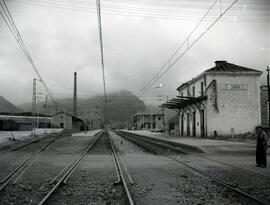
182, 125
188, 125
194, 124
202, 123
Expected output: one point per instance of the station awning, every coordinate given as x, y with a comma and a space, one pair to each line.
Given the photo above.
181, 102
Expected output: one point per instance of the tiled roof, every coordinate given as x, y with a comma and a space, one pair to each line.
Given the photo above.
224, 66
73, 117
146, 114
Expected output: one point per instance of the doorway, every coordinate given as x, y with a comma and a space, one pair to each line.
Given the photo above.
194, 124
188, 125
202, 123
182, 125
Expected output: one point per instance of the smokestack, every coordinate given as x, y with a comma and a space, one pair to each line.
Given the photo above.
75, 95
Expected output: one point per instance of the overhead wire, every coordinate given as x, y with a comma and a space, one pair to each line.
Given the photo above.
143, 12
6, 15
135, 7
189, 47
179, 47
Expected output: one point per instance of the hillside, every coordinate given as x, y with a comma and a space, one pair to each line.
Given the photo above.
8, 107
121, 106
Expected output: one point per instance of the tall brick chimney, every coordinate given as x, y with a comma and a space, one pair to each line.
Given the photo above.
75, 95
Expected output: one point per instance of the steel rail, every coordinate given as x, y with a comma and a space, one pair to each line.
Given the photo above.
66, 167
117, 172
125, 168
27, 143
24, 166
120, 171
213, 160
206, 176
142, 138
240, 168
24, 145
70, 169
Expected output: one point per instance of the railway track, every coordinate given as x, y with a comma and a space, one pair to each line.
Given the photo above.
20, 170
22, 145
13, 177
121, 177
178, 150
165, 151
66, 172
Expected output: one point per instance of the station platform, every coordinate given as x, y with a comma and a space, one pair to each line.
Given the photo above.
209, 146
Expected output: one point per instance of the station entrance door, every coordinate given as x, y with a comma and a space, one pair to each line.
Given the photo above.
202, 123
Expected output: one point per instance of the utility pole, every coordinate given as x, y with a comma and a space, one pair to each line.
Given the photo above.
84, 119
268, 89
38, 112
34, 99
75, 95
46, 105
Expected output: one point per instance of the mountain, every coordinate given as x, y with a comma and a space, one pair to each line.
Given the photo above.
121, 106
8, 107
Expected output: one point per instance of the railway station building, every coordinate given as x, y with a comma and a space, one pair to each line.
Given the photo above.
221, 101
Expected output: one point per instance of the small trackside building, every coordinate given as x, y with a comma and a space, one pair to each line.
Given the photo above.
221, 101
66, 121
148, 121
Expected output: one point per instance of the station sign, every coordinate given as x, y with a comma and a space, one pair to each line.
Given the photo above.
234, 87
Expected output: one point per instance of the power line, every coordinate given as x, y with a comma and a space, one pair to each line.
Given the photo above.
136, 12
189, 47
182, 44
6, 15
137, 7
102, 59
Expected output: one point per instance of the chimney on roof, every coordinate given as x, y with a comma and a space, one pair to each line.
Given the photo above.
218, 63
75, 95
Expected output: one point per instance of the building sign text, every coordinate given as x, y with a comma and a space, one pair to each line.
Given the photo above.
240, 87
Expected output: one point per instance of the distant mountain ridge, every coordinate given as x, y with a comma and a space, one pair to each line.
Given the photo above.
7, 107
121, 106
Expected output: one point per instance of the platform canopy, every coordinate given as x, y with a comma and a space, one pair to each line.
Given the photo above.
181, 102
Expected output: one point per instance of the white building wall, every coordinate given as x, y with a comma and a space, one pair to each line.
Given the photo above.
239, 109
63, 118
184, 90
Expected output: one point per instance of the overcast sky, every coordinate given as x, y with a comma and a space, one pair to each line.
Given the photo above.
139, 37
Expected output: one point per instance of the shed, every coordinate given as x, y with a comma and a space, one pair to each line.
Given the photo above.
66, 121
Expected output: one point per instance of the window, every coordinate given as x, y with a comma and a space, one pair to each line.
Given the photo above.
182, 94
201, 88
193, 91
159, 118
